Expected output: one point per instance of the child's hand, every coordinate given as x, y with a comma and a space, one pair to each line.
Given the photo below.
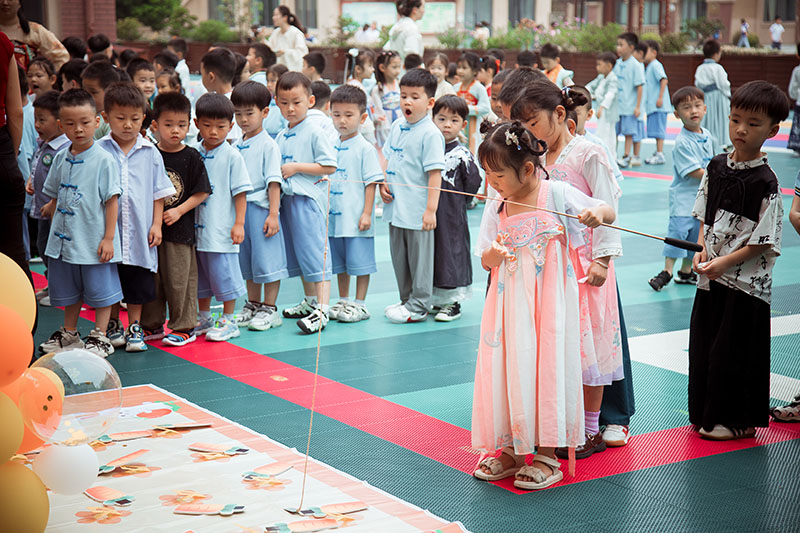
495, 255
700, 257
596, 275
590, 217
636, 112
660, 102
237, 233
288, 170
428, 220
364, 222
386, 194
713, 269
48, 209
105, 252
599, 112
381, 118
154, 237
171, 216
29, 187
271, 225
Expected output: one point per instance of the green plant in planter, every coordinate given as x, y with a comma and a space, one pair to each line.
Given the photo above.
675, 43
181, 22
513, 39
344, 30
702, 28
383, 38
452, 37
129, 29
210, 31
650, 37
591, 38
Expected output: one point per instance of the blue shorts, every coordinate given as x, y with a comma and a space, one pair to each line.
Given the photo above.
657, 125
95, 285
353, 255
630, 126
262, 259
684, 228
305, 236
219, 275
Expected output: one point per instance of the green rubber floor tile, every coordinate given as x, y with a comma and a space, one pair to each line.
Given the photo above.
220, 389
750, 510
662, 519
451, 404
785, 356
661, 399
750, 467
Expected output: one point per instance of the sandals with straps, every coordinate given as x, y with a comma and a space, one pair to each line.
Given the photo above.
540, 479
496, 467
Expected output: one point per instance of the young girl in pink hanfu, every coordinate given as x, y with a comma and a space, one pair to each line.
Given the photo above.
528, 396
542, 107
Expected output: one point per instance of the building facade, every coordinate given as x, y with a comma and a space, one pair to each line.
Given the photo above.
79, 18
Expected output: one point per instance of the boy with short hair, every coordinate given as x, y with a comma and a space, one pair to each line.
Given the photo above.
412, 61
711, 78
307, 156
605, 89
178, 47
95, 79
165, 60
551, 65
657, 104
694, 149
220, 219
218, 69
70, 74
526, 58
259, 58
320, 113
414, 152
262, 255
729, 334
274, 123
143, 75
100, 44
75, 46
83, 247
145, 185
176, 279
630, 75
350, 229
313, 66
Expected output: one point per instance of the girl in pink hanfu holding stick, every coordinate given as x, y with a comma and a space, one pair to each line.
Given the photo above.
542, 108
528, 396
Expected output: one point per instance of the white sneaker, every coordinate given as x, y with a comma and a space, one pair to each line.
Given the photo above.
379, 210
401, 315
353, 312
42, 293
247, 314
45, 302
266, 317
656, 159
623, 162
336, 309
386, 309
314, 322
223, 331
301, 310
98, 344
615, 435
636, 161
61, 339
116, 333
203, 325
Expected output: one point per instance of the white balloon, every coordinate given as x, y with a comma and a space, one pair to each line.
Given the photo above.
67, 469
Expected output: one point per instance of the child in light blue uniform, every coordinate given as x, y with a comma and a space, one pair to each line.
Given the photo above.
307, 157
27, 147
274, 123
145, 185
83, 248
582, 114
262, 255
630, 75
657, 104
220, 219
414, 151
694, 149
350, 228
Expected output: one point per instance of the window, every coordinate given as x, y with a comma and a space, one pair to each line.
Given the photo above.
622, 12
476, 11
521, 9
262, 11
784, 9
652, 13
306, 11
693, 9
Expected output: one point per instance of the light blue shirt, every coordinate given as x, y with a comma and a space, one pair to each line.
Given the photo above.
612, 158
306, 143
630, 74
274, 122
411, 151
82, 184
324, 122
692, 151
27, 146
260, 77
227, 174
144, 180
653, 75
42, 161
357, 161
263, 161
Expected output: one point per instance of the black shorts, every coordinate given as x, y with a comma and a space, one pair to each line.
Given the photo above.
138, 284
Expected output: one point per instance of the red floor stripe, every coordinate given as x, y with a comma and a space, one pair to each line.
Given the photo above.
664, 177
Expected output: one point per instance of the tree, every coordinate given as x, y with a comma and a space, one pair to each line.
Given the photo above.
153, 13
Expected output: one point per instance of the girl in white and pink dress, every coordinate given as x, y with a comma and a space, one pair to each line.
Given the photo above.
543, 107
528, 382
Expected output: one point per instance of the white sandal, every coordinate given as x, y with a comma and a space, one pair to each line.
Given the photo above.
496, 467
540, 479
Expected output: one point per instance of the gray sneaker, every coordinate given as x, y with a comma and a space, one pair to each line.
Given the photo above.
656, 159
247, 314
301, 310
98, 344
266, 317
116, 333
336, 309
61, 339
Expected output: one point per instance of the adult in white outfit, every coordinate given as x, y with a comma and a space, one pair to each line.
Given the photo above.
288, 39
405, 37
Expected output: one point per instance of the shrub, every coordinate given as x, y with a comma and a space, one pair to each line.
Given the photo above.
755, 42
702, 28
210, 31
384, 36
513, 39
181, 22
650, 37
675, 43
452, 38
129, 29
592, 38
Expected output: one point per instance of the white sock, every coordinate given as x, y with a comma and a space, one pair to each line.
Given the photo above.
325, 308
312, 301
360, 302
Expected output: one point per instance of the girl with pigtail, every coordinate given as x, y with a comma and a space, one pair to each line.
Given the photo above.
543, 109
528, 396
384, 100
360, 68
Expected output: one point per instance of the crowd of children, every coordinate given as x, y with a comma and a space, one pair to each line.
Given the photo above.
144, 195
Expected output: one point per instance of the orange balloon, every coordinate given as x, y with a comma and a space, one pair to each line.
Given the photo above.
17, 345
24, 505
41, 402
11, 428
17, 291
29, 439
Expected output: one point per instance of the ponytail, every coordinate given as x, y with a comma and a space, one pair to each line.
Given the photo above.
23, 21
291, 18
510, 145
